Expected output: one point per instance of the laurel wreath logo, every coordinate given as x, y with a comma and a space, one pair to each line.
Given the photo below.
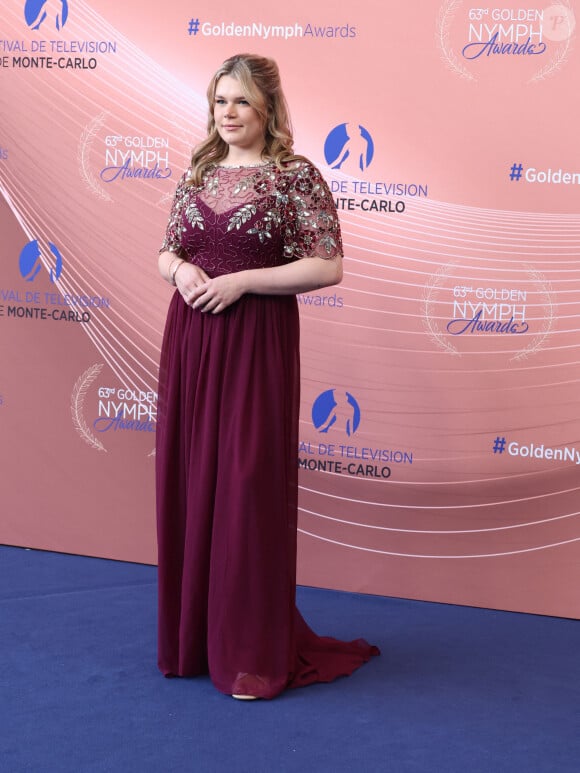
444, 20
79, 392
439, 338
549, 314
430, 293
85, 146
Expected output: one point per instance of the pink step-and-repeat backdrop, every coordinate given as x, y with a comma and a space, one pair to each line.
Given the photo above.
440, 427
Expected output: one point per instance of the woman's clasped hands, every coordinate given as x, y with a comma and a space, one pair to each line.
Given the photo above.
208, 295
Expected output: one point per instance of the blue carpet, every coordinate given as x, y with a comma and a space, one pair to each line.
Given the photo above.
456, 689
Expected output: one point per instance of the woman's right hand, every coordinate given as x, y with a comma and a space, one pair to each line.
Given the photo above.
188, 278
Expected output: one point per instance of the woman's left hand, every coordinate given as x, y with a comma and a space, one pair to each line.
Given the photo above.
218, 293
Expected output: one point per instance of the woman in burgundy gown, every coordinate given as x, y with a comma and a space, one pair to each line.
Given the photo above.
251, 225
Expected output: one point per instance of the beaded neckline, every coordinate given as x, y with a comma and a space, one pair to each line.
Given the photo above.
244, 166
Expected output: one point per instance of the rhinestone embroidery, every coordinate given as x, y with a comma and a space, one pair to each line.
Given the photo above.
292, 208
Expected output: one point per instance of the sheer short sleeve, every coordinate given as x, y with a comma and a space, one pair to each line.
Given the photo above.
172, 241
312, 228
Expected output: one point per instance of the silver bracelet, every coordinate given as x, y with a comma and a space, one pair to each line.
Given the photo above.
170, 273
179, 265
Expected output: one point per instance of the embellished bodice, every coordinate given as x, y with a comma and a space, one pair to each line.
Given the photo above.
253, 217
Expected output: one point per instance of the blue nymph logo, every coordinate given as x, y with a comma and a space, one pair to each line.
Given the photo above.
333, 408
30, 263
36, 12
349, 147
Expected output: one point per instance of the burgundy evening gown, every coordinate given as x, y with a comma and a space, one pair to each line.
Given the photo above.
227, 442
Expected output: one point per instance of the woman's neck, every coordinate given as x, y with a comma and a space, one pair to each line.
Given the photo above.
243, 158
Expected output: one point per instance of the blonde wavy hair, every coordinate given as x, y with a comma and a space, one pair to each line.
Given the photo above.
259, 78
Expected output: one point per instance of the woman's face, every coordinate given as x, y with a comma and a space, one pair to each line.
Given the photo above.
238, 124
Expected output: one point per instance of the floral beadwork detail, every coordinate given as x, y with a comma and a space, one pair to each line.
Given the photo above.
329, 244
194, 216
175, 227
287, 214
242, 216
264, 227
243, 185
212, 185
